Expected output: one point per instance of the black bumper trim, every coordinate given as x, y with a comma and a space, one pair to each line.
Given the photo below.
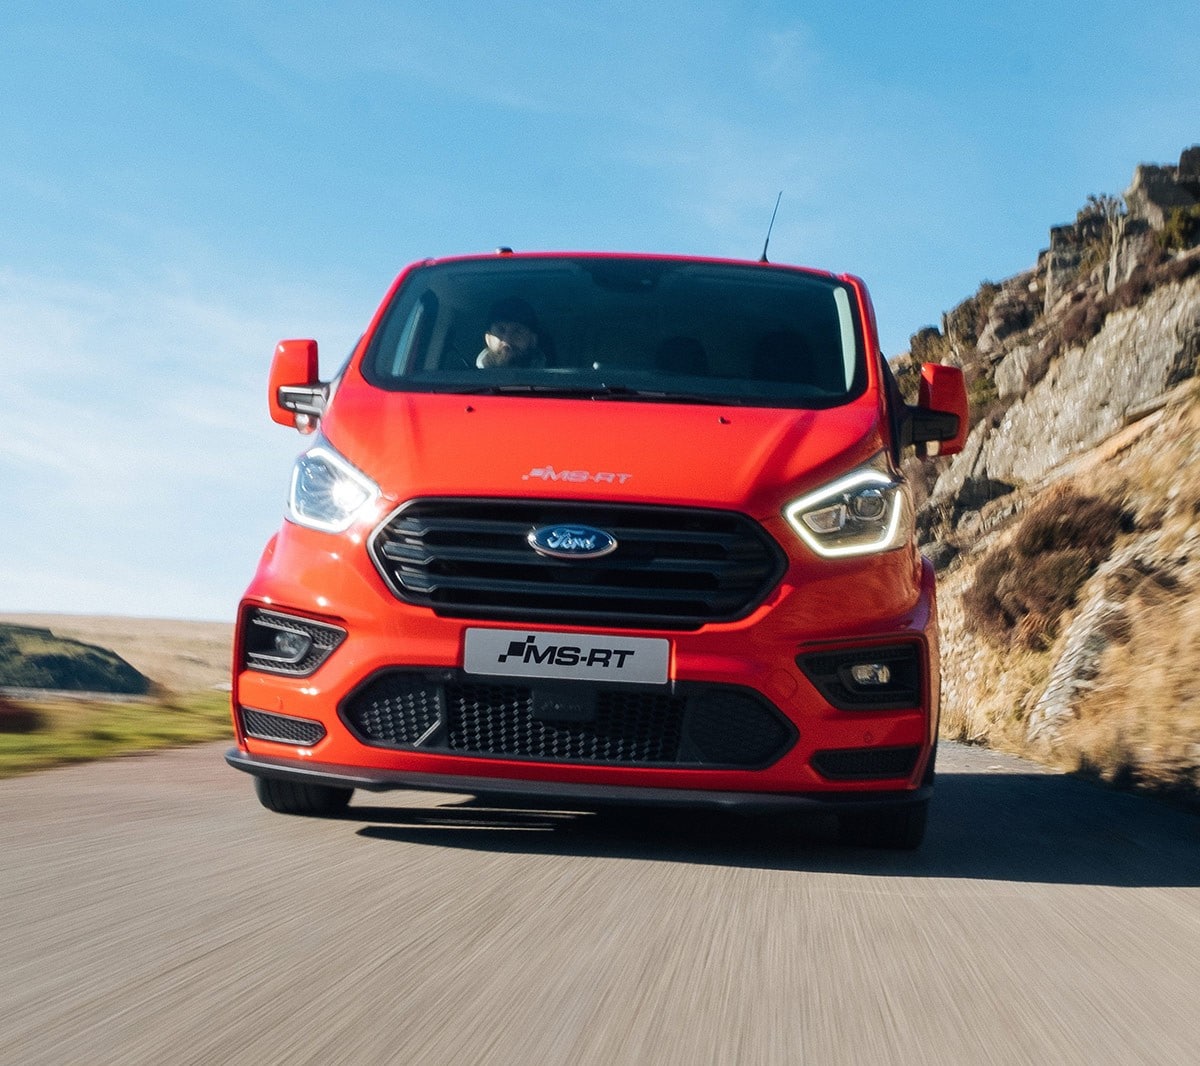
535, 794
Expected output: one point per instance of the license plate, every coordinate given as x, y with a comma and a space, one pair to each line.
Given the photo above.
573, 656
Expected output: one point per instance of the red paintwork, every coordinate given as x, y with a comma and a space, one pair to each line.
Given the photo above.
752, 457
753, 460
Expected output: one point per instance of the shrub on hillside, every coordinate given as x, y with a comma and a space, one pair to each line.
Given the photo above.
981, 391
1182, 228
928, 346
1181, 268
964, 325
1081, 322
1069, 520
1098, 222
1141, 282
907, 372
1021, 590
15, 718
983, 398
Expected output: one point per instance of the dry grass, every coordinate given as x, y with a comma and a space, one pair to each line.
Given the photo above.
987, 687
1139, 723
995, 712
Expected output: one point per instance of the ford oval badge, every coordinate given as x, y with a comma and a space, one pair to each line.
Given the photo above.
571, 542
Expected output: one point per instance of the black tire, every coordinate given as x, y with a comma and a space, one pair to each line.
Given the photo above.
293, 797
893, 828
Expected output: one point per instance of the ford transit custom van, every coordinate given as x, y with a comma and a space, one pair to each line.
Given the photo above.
597, 528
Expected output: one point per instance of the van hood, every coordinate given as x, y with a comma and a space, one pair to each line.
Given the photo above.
738, 458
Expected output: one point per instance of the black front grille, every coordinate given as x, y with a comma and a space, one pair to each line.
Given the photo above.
618, 726
282, 728
689, 725
673, 568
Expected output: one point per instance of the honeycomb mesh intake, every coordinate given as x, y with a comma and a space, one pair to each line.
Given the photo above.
262, 725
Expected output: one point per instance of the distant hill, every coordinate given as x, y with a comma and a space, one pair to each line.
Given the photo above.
174, 655
34, 658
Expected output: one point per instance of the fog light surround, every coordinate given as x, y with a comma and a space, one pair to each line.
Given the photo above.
881, 678
277, 643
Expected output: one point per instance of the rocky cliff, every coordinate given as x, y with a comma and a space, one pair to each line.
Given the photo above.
1068, 530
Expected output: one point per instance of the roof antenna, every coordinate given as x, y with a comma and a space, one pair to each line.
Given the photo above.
763, 258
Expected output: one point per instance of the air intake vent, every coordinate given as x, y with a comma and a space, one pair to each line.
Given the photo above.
282, 728
866, 764
692, 725
672, 568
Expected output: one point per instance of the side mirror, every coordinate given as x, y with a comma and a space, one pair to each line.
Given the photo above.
295, 395
941, 416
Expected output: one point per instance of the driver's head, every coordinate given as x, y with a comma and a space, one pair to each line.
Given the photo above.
512, 330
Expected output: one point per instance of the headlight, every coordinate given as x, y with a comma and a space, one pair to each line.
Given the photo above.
864, 512
327, 492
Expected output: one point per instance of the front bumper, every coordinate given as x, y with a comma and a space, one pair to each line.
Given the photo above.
554, 794
866, 753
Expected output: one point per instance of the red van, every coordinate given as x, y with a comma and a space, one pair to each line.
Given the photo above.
596, 528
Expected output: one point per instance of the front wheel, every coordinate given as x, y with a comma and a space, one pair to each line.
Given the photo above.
894, 828
293, 797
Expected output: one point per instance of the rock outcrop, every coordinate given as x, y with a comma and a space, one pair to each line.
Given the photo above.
1156, 191
1064, 363
1086, 395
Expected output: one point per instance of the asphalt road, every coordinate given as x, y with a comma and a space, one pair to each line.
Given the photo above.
152, 912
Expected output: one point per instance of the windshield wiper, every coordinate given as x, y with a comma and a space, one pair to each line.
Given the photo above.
624, 392
594, 392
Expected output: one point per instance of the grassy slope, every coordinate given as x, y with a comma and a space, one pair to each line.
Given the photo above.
175, 655
38, 734
186, 661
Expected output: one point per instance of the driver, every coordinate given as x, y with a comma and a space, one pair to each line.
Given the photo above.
511, 339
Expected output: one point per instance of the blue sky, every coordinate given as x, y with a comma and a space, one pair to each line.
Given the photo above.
184, 184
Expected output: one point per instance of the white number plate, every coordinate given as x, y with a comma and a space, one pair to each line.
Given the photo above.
576, 656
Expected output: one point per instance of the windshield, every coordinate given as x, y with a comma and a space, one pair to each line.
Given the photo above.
622, 328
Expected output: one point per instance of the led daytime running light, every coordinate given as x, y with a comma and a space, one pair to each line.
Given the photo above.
822, 516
